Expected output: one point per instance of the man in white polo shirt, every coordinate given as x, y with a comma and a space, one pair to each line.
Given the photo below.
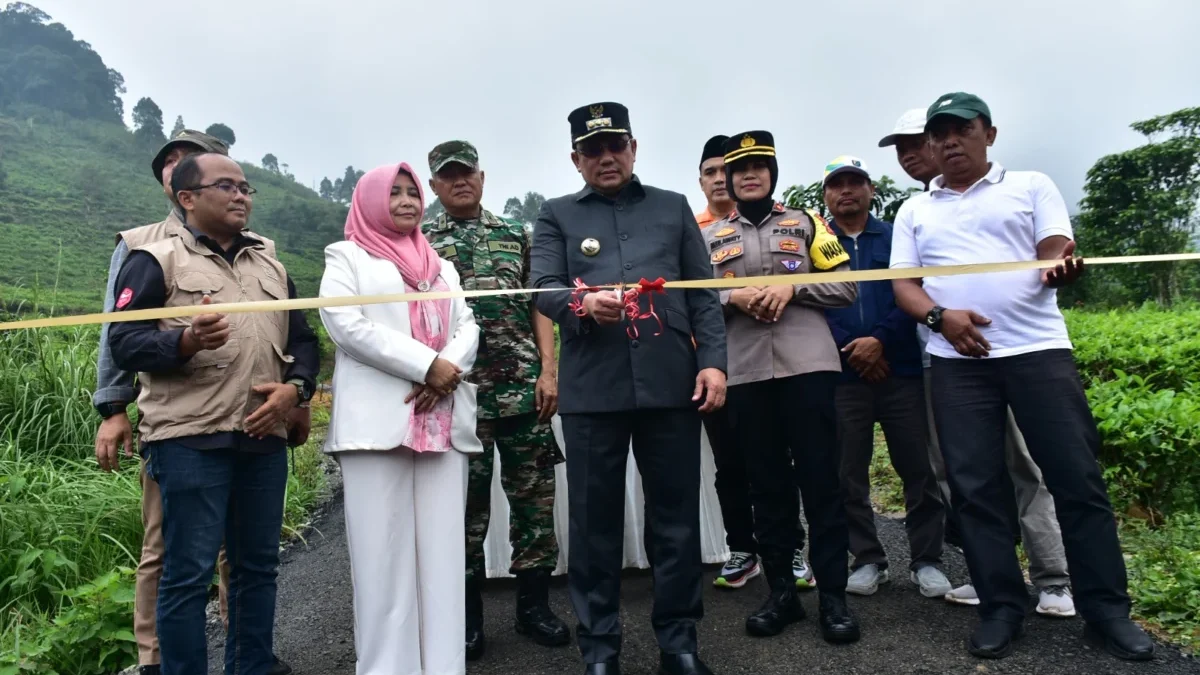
1033, 505
999, 340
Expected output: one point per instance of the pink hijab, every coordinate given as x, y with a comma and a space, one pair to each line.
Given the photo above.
369, 224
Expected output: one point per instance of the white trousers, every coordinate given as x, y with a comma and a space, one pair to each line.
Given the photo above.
404, 528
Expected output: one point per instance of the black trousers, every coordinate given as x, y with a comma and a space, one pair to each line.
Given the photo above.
898, 404
733, 486
788, 431
1047, 399
666, 447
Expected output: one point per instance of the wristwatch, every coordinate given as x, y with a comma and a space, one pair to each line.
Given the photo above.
107, 410
303, 392
934, 319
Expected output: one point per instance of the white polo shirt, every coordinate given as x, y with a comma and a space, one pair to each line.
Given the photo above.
1001, 218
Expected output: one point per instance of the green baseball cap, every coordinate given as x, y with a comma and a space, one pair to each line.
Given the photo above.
453, 151
959, 104
190, 137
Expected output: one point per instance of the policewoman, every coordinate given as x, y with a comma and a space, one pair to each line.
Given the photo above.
649, 387
783, 369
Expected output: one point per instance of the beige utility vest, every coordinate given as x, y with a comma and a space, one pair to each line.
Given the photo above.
212, 392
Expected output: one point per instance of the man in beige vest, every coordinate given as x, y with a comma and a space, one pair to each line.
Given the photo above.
116, 389
216, 392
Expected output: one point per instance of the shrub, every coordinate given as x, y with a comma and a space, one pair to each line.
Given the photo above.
1150, 442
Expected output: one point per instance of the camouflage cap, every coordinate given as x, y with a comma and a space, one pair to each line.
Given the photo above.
453, 151
197, 139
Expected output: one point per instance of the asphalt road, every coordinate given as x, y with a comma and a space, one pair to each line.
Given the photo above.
903, 632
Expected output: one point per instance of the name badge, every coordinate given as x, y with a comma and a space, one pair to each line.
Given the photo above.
447, 251
505, 247
486, 283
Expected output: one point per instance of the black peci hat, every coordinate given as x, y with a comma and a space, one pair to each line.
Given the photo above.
715, 147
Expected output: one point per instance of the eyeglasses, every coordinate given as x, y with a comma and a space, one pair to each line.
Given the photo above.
595, 147
226, 186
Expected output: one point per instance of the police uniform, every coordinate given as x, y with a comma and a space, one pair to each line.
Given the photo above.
492, 253
622, 387
782, 377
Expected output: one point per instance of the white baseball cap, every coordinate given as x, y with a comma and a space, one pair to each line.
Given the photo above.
911, 123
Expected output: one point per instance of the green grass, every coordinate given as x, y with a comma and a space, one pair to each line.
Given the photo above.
70, 534
72, 184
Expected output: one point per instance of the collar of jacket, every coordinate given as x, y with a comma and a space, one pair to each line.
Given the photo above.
194, 239
444, 223
874, 226
632, 190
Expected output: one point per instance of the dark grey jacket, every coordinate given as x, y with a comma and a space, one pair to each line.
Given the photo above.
644, 233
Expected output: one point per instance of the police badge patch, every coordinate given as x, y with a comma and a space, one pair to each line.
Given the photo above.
790, 265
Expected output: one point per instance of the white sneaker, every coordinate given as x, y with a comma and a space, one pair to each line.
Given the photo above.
932, 582
963, 595
866, 580
1056, 601
804, 576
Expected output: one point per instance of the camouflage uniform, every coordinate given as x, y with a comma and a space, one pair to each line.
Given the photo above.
490, 252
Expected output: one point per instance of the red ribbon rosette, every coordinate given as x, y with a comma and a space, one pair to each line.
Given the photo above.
632, 299
633, 307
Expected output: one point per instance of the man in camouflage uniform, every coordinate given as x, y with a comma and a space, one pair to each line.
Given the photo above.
516, 373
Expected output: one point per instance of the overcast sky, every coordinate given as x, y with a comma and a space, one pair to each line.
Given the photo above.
366, 82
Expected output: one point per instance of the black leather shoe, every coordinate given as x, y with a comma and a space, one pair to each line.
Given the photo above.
475, 639
1122, 638
534, 617
781, 609
609, 668
993, 639
150, 670
682, 664
838, 624
279, 668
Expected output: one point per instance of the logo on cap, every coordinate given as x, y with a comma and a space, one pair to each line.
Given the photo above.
748, 141
596, 110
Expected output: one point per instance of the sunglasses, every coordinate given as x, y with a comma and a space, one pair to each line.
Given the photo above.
595, 147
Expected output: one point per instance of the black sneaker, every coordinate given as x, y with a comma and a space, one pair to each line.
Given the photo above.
740, 568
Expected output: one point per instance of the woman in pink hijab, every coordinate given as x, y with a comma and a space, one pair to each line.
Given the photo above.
403, 422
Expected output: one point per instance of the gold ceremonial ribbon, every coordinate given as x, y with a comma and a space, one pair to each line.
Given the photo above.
721, 283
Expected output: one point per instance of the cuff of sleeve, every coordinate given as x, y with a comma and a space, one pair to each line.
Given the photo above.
108, 395
879, 334
706, 360
173, 343
724, 295
1054, 231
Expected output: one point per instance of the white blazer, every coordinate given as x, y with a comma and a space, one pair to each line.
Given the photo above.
378, 361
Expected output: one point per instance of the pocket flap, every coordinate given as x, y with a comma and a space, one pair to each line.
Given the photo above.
197, 282
274, 289
679, 321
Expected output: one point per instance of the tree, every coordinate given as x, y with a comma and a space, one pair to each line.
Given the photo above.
41, 63
270, 162
178, 125
326, 189
1143, 202
525, 211
884, 205
434, 209
222, 132
343, 189
148, 120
